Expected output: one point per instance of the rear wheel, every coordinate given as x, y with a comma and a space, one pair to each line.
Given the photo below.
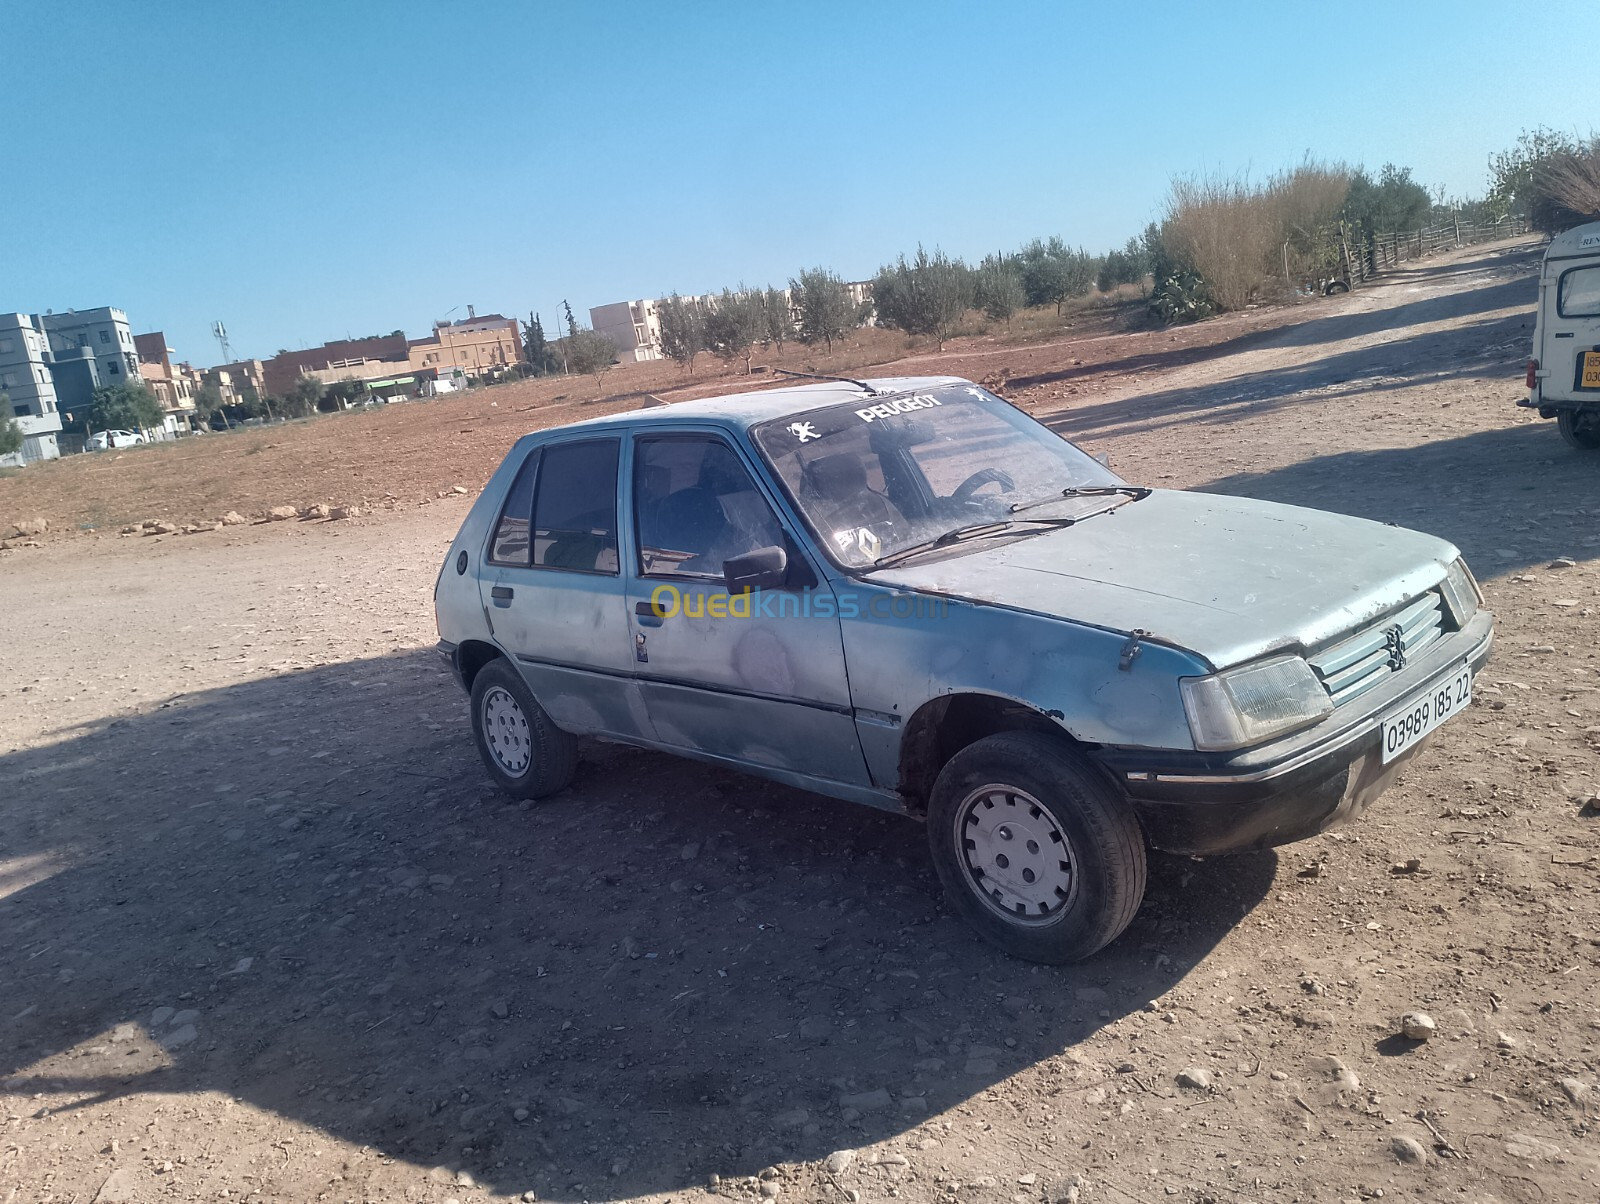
1581, 428
1035, 849
522, 748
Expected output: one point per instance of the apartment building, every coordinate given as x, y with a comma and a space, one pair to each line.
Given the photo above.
632, 326
172, 384
473, 346
282, 370
26, 380
104, 331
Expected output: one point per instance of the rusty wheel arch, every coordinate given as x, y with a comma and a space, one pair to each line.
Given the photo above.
943, 726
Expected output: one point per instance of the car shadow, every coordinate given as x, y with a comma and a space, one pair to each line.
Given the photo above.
1510, 499
1494, 343
302, 892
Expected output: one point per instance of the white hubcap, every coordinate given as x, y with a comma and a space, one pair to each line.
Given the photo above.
1017, 859
505, 732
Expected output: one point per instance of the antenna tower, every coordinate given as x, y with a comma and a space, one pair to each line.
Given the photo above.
221, 333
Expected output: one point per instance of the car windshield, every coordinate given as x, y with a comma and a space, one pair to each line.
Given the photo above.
878, 476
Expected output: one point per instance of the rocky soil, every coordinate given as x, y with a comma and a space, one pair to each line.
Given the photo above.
266, 932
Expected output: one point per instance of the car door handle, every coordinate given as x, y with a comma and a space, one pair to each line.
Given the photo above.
649, 616
502, 591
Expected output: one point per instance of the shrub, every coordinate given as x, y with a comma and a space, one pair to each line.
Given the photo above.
928, 296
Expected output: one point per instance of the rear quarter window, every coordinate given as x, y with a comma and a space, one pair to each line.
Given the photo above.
1578, 294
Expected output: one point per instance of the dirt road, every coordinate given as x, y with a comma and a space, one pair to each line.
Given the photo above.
267, 934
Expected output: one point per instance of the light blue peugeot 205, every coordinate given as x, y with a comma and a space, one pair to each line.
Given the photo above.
910, 594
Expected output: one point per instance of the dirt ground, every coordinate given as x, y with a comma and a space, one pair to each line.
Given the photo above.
267, 933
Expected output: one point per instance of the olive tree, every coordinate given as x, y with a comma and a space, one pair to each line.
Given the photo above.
735, 324
825, 306
928, 295
590, 353
683, 334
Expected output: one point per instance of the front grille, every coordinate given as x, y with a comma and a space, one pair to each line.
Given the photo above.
1357, 664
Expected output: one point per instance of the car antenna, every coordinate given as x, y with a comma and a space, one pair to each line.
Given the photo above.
849, 380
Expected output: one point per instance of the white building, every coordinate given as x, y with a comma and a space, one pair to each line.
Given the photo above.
633, 326
26, 381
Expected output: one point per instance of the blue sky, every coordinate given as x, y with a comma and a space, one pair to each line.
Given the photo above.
311, 170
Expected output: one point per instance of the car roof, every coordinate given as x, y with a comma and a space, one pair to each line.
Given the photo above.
743, 410
1580, 240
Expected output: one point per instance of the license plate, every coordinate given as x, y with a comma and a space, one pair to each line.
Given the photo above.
1423, 712
1590, 378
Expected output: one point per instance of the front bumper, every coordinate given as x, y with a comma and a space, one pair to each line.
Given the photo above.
1291, 789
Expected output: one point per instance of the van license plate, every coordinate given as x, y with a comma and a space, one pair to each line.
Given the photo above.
1590, 377
1423, 712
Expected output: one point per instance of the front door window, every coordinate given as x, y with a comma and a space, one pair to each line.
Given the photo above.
696, 505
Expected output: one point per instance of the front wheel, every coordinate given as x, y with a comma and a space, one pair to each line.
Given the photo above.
1035, 849
1580, 428
524, 751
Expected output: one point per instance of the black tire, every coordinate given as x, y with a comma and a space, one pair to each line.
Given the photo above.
1072, 832
526, 754
1335, 287
1580, 428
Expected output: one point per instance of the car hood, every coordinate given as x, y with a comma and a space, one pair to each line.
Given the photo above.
1227, 578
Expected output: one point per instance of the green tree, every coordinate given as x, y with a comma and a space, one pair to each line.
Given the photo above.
1552, 178
590, 353
683, 332
1126, 265
1394, 202
778, 318
207, 401
10, 429
997, 288
536, 351
572, 322
735, 324
928, 295
1052, 272
826, 307
303, 397
124, 407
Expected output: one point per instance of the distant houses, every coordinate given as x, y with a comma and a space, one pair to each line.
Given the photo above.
51, 364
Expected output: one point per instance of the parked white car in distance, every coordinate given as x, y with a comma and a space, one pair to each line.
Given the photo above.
107, 440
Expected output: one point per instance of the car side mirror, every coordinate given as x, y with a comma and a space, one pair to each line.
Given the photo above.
765, 568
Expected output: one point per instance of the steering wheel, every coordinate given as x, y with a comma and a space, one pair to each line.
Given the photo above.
984, 476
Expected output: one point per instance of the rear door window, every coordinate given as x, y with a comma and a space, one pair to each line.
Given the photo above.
1578, 295
511, 532
575, 507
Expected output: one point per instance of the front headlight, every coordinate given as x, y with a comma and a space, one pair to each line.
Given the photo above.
1253, 703
1461, 592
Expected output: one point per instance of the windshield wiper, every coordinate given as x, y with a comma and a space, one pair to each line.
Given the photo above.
1136, 492
972, 531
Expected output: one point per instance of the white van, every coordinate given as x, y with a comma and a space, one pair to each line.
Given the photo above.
1564, 373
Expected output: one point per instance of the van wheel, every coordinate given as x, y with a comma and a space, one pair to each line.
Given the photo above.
522, 748
1035, 849
1580, 428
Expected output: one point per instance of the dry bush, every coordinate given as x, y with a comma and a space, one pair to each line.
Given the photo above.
1224, 229
1233, 232
1571, 180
